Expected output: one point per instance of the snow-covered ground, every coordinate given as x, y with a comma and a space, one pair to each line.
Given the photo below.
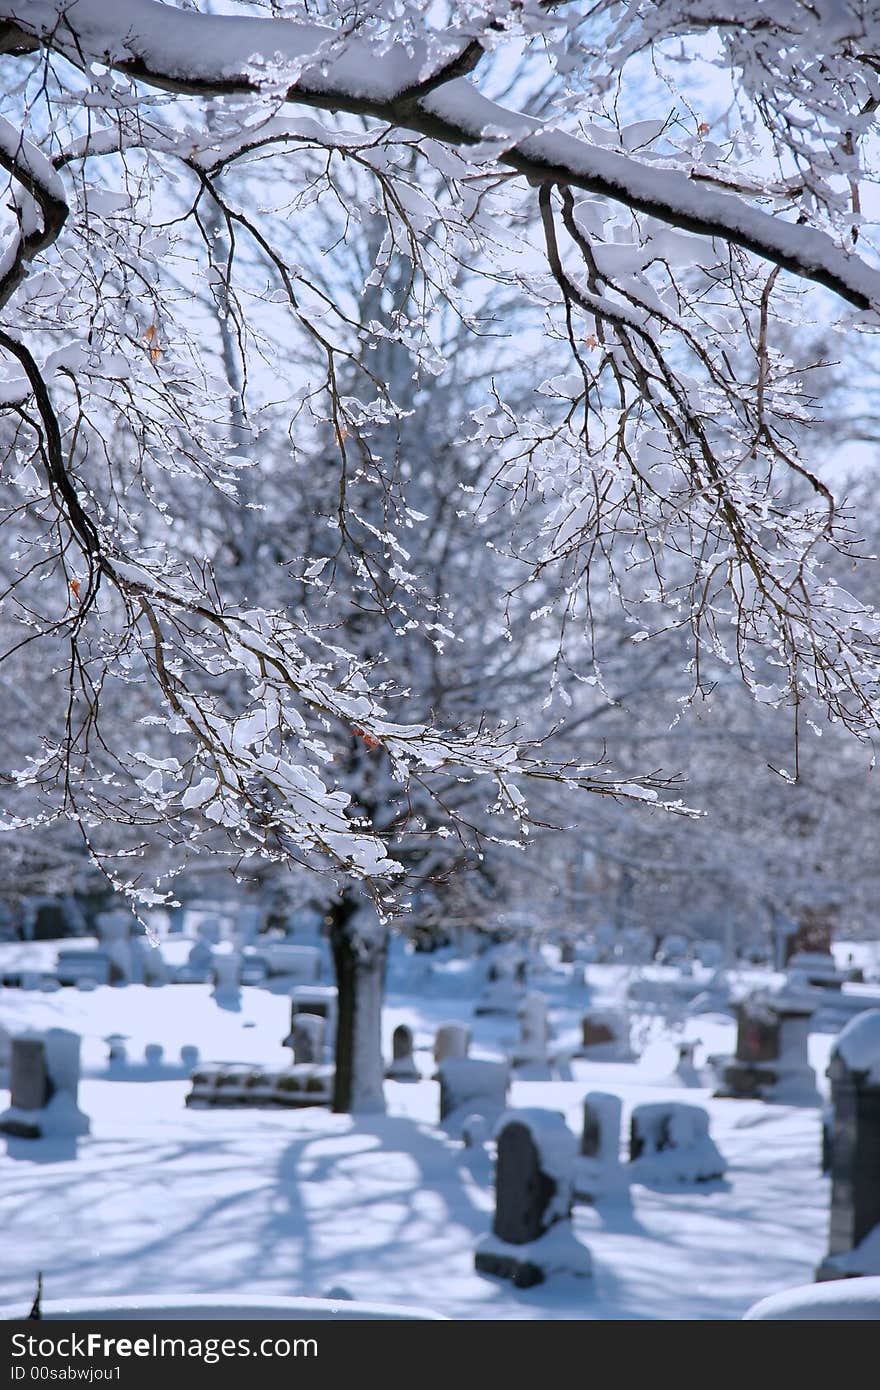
163, 1200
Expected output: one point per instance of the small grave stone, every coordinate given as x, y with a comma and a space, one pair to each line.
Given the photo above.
534, 1032
504, 980
598, 1170
79, 963
30, 1087
307, 1034
606, 1037
531, 1231
452, 1040
854, 1148
315, 999
301, 963
771, 1059
670, 1142
226, 970
566, 951
469, 1086
44, 1080
189, 1056
153, 1054
117, 1054
402, 1066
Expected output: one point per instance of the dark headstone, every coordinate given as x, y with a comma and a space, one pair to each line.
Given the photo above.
595, 1032
402, 1066
853, 1151
523, 1191
533, 1193
29, 1084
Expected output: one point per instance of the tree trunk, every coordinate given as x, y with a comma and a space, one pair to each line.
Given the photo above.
359, 943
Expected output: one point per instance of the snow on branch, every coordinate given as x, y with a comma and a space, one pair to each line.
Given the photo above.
418, 86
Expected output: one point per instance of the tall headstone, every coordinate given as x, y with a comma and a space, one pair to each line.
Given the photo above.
114, 930
226, 970
598, 1170
402, 1066
531, 1231
854, 1149
534, 1031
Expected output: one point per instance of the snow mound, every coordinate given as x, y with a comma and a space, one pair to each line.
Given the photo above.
859, 1045
846, 1299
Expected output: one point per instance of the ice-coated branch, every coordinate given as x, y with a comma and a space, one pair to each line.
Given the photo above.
418, 86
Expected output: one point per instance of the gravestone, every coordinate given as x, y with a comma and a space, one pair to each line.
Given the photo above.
504, 980
469, 1086
315, 999
771, 1059
226, 970
114, 930
117, 1054
189, 1056
566, 951
670, 1142
44, 1080
452, 1040
606, 1036
301, 963
598, 1170
531, 1231
153, 1054
307, 1038
534, 1031
76, 963
402, 1066
29, 1086
854, 1147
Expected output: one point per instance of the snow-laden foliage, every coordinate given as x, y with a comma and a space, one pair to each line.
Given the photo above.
158, 153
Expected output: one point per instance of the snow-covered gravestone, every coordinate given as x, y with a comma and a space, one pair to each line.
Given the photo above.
43, 1083
451, 1041
534, 1032
532, 1235
189, 1056
598, 1169
114, 930
854, 1072
307, 1038
771, 1060
504, 981
670, 1142
470, 1086
320, 1000
226, 970
402, 1066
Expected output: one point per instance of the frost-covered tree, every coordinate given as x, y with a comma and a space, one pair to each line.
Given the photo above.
646, 467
